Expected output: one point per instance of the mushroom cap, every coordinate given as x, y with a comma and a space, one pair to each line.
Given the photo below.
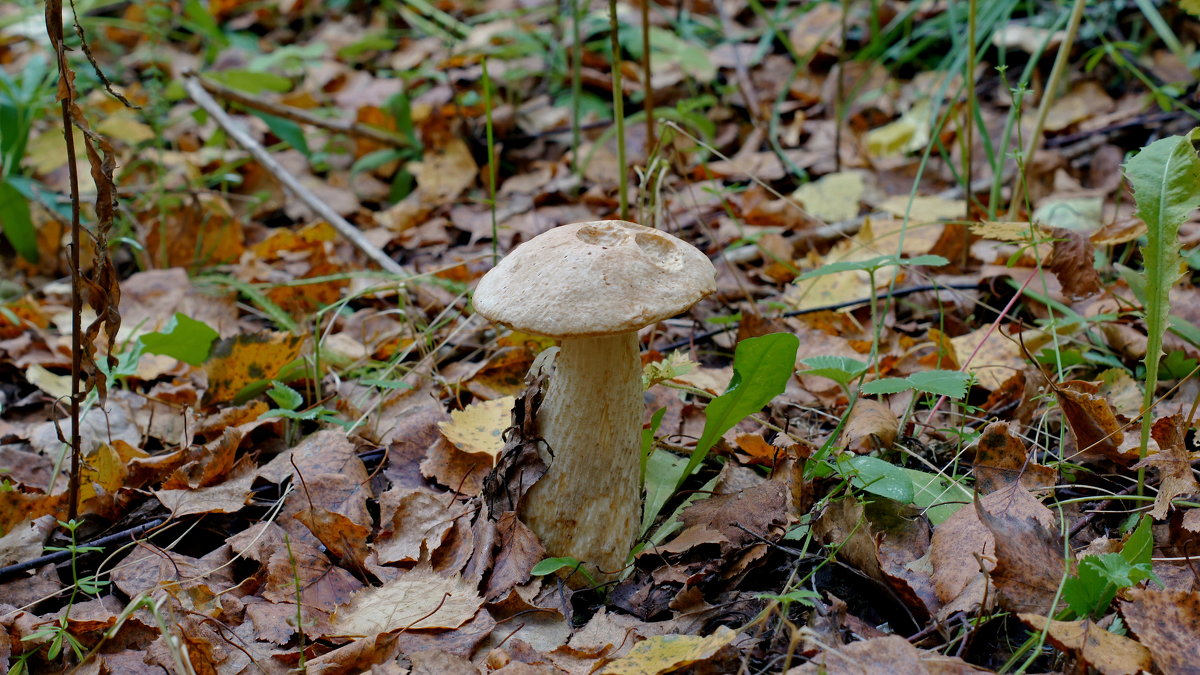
595, 278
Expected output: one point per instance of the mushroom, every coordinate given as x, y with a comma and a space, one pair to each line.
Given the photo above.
592, 286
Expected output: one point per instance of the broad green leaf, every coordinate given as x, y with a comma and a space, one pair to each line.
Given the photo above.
761, 369
662, 471
938, 496
287, 131
648, 441
1166, 188
878, 477
250, 81
887, 385
840, 369
16, 223
183, 338
951, 383
874, 264
552, 565
1140, 544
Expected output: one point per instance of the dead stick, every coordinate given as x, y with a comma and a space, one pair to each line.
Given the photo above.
299, 115
347, 230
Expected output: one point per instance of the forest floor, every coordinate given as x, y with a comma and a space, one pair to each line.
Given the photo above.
936, 417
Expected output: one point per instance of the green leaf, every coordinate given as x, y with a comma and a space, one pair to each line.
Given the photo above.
288, 131
662, 471
552, 565
887, 385
840, 369
374, 160
1140, 544
1166, 188
648, 441
950, 383
874, 264
16, 223
878, 477
761, 369
250, 81
183, 338
285, 397
938, 496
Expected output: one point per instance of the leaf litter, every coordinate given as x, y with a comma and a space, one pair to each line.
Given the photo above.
293, 461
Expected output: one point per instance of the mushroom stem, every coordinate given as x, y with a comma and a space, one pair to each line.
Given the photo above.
587, 504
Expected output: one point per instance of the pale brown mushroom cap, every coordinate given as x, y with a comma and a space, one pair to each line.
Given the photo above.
597, 278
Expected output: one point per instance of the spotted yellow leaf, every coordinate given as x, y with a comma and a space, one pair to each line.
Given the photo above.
479, 427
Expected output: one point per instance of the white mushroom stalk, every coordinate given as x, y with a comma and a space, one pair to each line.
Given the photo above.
592, 286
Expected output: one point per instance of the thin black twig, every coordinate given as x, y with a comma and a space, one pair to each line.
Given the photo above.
898, 293
62, 556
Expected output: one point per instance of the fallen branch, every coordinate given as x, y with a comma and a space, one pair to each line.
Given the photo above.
301, 116
194, 88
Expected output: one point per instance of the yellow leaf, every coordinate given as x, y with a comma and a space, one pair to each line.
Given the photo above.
1190, 6
666, 653
833, 198
925, 209
998, 356
1002, 230
479, 427
124, 126
907, 134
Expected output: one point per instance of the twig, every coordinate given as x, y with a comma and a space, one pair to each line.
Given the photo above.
302, 116
196, 90
59, 556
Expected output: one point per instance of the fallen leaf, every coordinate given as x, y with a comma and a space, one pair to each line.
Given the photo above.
871, 426
891, 654
1173, 462
1109, 653
665, 653
479, 427
1168, 623
1001, 461
832, 198
1029, 558
419, 598
237, 362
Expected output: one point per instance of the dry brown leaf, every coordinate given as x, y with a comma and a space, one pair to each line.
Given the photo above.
419, 598
1168, 624
665, 653
961, 547
1073, 261
413, 520
1173, 462
1029, 558
1109, 653
1092, 421
997, 356
1001, 460
872, 426
891, 654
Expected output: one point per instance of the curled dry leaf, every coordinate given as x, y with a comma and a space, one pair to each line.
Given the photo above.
1107, 652
872, 426
1173, 463
1074, 263
962, 546
1093, 424
1029, 558
1001, 461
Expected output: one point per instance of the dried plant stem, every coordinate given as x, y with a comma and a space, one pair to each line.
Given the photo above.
1048, 96
54, 28
302, 116
969, 114
350, 232
647, 86
619, 111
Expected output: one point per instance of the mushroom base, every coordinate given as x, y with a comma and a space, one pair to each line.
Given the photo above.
587, 505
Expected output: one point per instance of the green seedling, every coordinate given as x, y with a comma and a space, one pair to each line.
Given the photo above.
552, 565
1099, 577
1166, 188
